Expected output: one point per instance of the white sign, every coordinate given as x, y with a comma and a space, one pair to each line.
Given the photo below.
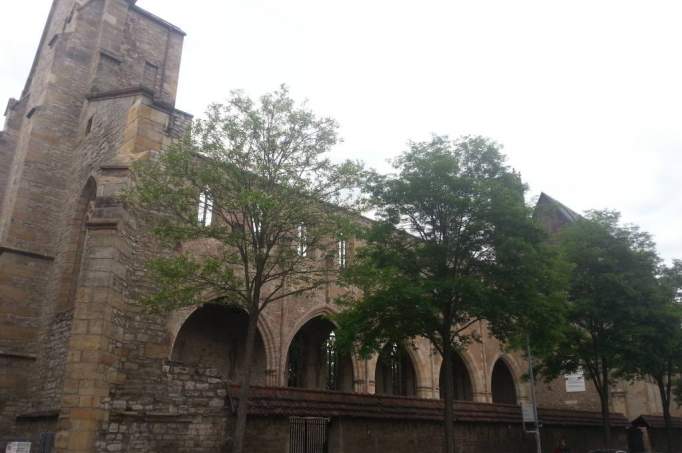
528, 413
575, 382
18, 447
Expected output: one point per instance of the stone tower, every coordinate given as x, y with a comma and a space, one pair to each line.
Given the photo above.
100, 94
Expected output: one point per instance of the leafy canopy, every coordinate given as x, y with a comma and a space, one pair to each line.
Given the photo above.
613, 271
454, 244
248, 202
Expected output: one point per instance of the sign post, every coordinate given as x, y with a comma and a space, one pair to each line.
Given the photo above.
530, 411
575, 383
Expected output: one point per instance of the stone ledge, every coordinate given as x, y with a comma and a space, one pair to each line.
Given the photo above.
115, 170
18, 355
27, 253
123, 93
151, 417
103, 224
139, 90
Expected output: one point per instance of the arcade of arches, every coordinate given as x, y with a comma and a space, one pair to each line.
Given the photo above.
214, 335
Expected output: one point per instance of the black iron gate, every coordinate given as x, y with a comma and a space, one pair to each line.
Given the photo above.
308, 435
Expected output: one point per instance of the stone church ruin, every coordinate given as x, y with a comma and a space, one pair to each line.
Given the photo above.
84, 368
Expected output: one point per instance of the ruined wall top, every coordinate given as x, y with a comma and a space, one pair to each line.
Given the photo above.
134, 48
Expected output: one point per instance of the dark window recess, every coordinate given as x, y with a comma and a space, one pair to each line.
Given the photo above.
31, 112
151, 73
308, 435
88, 127
53, 40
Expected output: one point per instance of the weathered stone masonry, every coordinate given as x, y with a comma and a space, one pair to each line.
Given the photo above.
81, 359
100, 94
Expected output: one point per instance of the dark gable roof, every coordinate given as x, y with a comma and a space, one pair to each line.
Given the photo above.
548, 202
553, 216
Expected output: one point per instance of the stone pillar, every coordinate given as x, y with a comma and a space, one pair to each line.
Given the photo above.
91, 364
371, 374
483, 397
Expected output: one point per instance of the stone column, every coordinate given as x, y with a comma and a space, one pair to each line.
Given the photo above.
91, 364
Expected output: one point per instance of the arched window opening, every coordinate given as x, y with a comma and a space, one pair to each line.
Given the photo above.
342, 253
205, 210
314, 361
462, 382
503, 387
74, 246
214, 336
302, 241
395, 373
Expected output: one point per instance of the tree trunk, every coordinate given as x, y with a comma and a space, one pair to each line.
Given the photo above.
667, 418
245, 386
605, 410
449, 392
606, 418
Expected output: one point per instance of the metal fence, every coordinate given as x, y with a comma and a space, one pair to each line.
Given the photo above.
308, 435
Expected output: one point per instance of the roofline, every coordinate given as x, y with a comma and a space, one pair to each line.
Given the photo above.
156, 19
554, 201
137, 91
50, 16
43, 38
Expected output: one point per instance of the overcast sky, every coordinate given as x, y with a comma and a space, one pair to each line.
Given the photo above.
585, 95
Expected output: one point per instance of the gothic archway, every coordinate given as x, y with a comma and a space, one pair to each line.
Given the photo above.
462, 381
395, 372
313, 361
214, 336
503, 385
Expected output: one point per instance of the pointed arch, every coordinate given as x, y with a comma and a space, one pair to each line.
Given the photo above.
324, 311
213, 336
504, 386
179, 317
312, 360
464, 385
396, 371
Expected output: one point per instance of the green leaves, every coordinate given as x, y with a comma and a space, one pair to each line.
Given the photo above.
263, 165
613, 274
455, 245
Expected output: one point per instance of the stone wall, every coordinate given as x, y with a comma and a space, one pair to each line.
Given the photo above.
190, 411
14, 376
179, 409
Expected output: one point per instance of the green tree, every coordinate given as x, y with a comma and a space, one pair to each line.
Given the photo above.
613, 269
654, 346
250, 204
454, 245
